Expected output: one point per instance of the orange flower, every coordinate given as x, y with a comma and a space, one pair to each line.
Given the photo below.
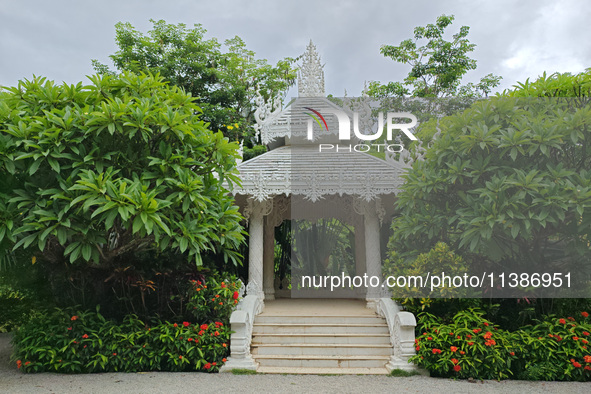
457, 368
224, 360
27, 363
190, 340
224, 345
462, 352
74, 318
488, 335
454, 361
453, 349
576, 365
19, 364
587, 368
175, 325
587, 359
562, 321
216, 333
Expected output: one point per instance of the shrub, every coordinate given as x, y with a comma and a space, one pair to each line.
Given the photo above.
84, 342
470, 346
212, 298
72, 341
473, 347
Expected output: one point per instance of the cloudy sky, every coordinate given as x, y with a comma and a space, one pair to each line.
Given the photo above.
515, 39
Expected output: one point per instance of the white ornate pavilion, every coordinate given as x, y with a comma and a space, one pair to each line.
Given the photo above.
293, 181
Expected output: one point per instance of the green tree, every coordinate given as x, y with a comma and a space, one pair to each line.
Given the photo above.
224, 82
92, 175
437, 67
508, 181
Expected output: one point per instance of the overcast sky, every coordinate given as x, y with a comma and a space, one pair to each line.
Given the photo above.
515, 39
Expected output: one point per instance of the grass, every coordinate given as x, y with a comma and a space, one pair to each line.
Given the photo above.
399, 373
238, 371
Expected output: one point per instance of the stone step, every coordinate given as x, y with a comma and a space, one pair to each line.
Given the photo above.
318, 349
311, 361
383, 339
319, 328
323, 371
295, 319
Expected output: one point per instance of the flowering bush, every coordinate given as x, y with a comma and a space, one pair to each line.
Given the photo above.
214, 298
471, 346
83, 342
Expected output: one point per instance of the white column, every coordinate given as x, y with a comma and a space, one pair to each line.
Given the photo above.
255, 250
360, 269
372, 251
269, 259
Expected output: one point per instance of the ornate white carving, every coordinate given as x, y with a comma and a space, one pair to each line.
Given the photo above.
267, 115
402, 334
241, 322
311, 74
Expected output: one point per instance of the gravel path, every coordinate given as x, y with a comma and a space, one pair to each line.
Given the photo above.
12, 381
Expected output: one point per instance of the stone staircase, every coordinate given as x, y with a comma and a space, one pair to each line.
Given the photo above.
321, 342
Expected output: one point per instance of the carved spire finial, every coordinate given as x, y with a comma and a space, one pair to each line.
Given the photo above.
311, 74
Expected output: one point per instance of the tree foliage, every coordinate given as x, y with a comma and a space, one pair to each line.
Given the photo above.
437, 67
92, 174
508, 182
224, 80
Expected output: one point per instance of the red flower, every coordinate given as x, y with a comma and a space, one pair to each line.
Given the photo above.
218, 324
180, 357
586, 333
200, 332
224, 360
217, 296
488, 335
175, 325
476, 330
571, 318
453, 349
558, 338
19, 364
221, 303
576, 365
223, 285
204, 326
84, 336
575, 338
584, 341
490, 342
27, 363
207, 366
69, 328
114, 354
214, 364
470, 343
451, 333
587, 368
190, 340
74, 318
186, 324
454, 361
587, 359
562, 321
512, 353
486, 324
585, 314
224, 345
429, 339
469, 336
462, 352
417, 348
457, 368
216, 333
235, 295
436, 351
